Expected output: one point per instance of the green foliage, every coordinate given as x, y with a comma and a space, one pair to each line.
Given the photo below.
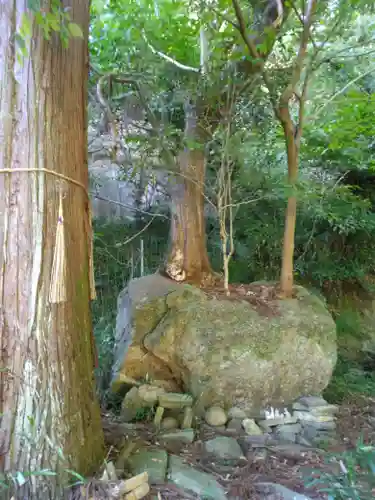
56, 19
349, 378
335, 233
355, 476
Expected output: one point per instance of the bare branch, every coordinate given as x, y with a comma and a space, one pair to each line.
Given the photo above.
341, 91
129, 207
168, 58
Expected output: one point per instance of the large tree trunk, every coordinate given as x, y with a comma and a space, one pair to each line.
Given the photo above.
188, 259
48, 400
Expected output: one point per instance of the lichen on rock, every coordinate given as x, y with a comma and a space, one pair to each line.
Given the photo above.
221, 351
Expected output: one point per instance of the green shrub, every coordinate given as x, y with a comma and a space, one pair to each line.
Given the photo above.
352, 476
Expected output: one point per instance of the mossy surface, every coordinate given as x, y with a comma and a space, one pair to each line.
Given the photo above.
226, 351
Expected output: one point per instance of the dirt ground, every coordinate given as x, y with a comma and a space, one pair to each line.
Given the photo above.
354, 420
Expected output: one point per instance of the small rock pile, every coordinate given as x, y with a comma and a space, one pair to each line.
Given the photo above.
310, 421
234, 436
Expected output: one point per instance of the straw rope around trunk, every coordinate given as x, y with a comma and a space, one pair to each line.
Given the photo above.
58, 288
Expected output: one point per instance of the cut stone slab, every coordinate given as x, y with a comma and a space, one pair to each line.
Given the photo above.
186, 477
224, 448
187, 421
152, 461
158, 416
150, 393
326, 409
251, 428
273, 490
319, 426
184, 436
305, 416
175, 400
312, 401
272, 422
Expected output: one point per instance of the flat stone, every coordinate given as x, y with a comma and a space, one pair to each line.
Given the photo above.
249, 443
175, 400
224, 448
235, 426
184, 435
186, 477
285, 435
320, 426
273, 490
152, 461
298, 406
290, 451
326, 409
296, 428
236, 413
251, 428
216, 416
304, 416
150, 393
272, 422
312, 401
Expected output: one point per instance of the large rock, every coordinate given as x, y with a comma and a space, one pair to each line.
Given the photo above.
221, 351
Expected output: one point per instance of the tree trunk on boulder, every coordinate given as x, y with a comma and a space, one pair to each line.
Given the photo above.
188, 259
48, 401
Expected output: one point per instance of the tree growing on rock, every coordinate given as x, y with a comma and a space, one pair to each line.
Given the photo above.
48, 403
192, 52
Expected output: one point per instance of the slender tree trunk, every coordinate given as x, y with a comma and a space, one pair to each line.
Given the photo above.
188, 258
48, 400
287, 265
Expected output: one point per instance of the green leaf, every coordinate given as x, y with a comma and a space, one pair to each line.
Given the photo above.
26, 25
75, 30
33, 5
75, 474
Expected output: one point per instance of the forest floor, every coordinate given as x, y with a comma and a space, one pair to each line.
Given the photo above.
261, 296
288, 466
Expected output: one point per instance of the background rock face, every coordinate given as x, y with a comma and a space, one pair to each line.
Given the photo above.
223, 351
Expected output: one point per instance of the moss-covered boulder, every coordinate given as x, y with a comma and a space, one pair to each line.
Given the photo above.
223, 351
